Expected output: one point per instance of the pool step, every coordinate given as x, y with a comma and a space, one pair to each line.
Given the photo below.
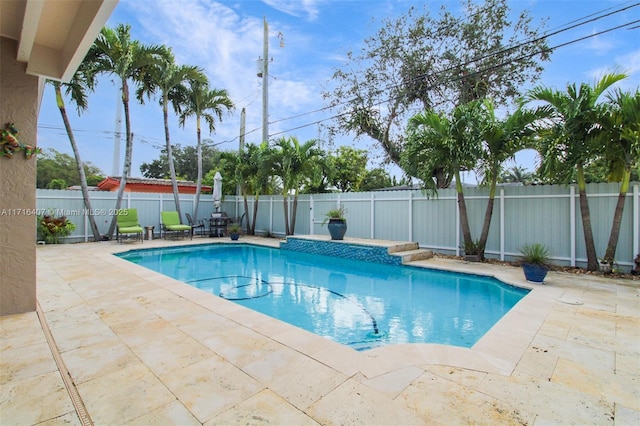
413, 255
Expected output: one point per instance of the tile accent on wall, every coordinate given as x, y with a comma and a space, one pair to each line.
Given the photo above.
341, 249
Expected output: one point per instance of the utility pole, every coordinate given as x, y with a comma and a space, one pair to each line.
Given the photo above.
265, 83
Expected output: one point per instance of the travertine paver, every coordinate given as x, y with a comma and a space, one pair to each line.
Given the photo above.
145, 349
265, 407
210, 386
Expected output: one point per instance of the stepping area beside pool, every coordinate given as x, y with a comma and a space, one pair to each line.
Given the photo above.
143, 348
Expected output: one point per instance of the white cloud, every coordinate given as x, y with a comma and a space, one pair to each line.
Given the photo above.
296, 8
600, 45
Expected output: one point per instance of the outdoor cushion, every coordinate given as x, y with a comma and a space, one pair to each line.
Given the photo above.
171, 224
127, 221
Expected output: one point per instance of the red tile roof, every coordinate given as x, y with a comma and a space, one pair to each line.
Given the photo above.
112, 183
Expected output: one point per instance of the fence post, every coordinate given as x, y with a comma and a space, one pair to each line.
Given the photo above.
572, 211
636, 222
457, 227
311, 218
502, 224
372, 212
410, 215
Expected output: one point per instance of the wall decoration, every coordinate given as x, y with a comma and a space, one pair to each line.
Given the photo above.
9, 143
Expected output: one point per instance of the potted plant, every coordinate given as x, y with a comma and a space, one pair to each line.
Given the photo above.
605, 265
337, 223
534, 259
234, 230
472, 251
51, 228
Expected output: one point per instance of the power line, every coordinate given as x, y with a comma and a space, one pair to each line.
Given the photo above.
563, 28
471, 74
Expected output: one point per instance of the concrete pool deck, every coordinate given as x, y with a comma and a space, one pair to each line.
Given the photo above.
142, 348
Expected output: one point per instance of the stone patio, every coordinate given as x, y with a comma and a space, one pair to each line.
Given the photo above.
144, 349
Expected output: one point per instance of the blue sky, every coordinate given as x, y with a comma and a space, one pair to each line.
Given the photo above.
226, 38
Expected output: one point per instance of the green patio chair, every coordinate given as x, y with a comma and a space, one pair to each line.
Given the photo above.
127, 221
171, 225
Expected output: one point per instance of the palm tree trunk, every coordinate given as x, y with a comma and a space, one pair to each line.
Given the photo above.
199, 179
127, 155
285, 200
79, 164
462, 208
245, 199
255, 213
172, 167
592, 258
610, 254
294, 211
488, 214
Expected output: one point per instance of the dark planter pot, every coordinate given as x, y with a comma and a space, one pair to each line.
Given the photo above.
234, 236
337, 228
534, 273
472, 258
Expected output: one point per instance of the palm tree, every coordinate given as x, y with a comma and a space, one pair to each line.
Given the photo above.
516, 174
294, 164
202, 102
115, 53
502, 139
436, 143
571, 141
622, 152
253, 173
169, 79
82, 81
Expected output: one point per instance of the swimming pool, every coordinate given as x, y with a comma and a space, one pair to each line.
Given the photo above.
356, 303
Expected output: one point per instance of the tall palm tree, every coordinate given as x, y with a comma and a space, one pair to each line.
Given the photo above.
294, 164
114, 52
81, 82
170, 80
622, 151
572, 140
502, 138
204, 103
446, 145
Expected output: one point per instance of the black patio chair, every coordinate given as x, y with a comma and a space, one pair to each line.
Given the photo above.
196, 227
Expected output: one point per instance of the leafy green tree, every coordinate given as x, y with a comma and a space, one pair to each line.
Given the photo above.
205, 103
375, 179
114, 52
622, 153
185, 159
56, 165
435, 141
572, 140
350, 168
57, 184
322, 174
434, 63
293, 163
169, 79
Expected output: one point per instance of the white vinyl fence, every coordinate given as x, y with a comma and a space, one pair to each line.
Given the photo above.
548, 214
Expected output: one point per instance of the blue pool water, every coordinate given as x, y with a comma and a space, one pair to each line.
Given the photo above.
356, 303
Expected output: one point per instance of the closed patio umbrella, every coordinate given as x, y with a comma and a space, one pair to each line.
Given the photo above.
217, 190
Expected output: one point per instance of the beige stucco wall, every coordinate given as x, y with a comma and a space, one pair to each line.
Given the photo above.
18, 104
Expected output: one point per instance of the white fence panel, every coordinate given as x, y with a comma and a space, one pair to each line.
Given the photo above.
548, 214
